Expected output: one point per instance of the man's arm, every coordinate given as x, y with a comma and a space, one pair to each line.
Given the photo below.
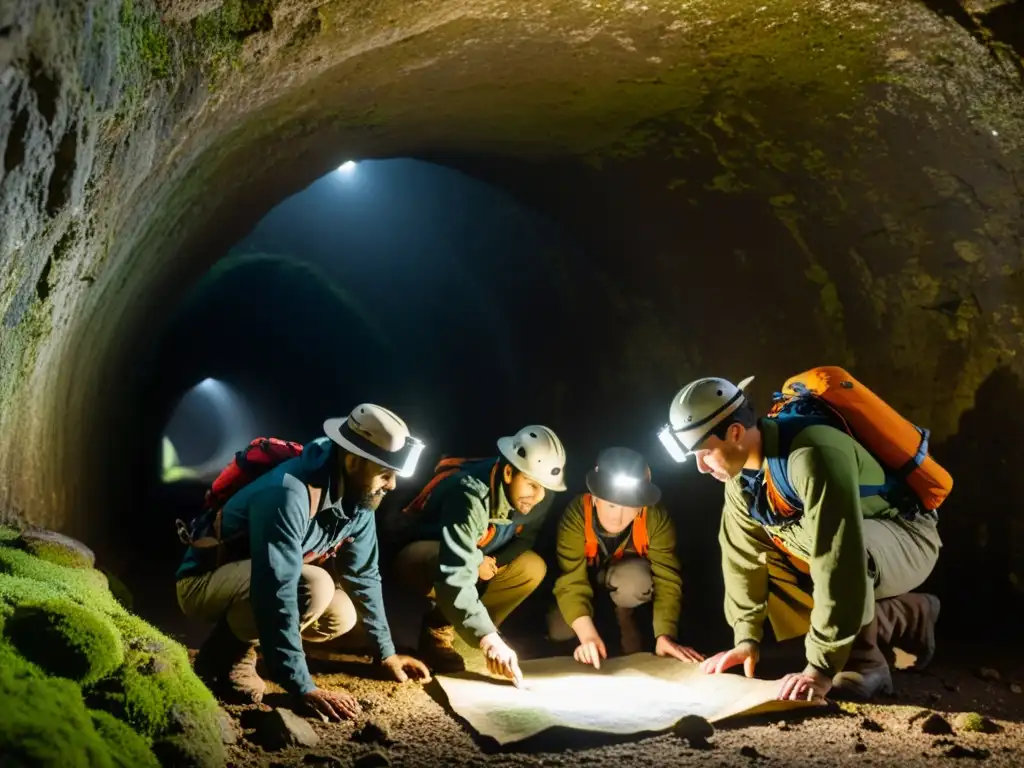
826, 478
360, 573
743, 542
573, 592
277, 525
464, 519
665, 573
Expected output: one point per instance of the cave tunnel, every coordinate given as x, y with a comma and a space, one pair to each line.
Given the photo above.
525, 212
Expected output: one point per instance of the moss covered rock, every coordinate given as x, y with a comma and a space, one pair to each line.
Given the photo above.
45, 722
127, 749
66, 640
57, 548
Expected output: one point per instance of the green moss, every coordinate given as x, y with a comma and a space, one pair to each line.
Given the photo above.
121, 593
145, 42
127, 749
66, 640
156, 692
43, 721
220, 34
150, 687
8, 534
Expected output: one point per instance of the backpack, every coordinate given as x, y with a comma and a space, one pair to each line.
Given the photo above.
259, 457
829, 395
447, 467
641, 541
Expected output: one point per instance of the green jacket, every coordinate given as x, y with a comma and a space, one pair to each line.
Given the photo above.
459, 512
826, 469
574, 590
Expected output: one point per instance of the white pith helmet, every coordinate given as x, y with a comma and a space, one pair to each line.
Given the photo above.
536, 451
377, 434
696, 410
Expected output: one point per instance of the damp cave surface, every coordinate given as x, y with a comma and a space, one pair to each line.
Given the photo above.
559, 213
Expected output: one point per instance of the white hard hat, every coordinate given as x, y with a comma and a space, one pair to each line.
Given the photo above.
377, 434
537, 452
696, 410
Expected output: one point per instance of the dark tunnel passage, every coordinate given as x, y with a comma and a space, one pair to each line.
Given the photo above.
485, 214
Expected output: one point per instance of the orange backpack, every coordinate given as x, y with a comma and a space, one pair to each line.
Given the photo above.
641, 542
830, 395
446, 468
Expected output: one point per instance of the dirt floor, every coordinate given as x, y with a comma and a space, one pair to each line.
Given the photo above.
421, 731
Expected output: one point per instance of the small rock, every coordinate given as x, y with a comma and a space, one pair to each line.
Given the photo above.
154, 665
975, 753
372, 732
975, 723
753, 754
867, 724
936, 725
228, 734
366, 704
58, 548
694, 729
374, 759
282, 728
860, 746
315, 759
782, 725
987, 673
1015, 688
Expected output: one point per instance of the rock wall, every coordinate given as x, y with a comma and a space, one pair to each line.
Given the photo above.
761, 187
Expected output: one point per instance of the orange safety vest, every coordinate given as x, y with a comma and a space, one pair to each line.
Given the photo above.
641, 542
446, 468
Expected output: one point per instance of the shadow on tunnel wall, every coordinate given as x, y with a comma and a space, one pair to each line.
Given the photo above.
980, 573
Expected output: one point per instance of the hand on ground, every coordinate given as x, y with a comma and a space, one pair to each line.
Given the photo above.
334, 705
745, 653
401, 667
809, 685
591, 650
501, 660
666, 646
488, 569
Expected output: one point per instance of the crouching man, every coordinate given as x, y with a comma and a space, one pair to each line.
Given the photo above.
619, 543
837, 568
470, 551
260, 585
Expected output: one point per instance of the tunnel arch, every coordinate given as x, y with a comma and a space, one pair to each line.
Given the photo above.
871, 151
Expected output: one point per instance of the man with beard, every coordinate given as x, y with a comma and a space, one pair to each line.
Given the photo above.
263, 586
470, 552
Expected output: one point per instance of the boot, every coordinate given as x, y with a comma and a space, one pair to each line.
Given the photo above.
867, 672
227, 666
908, 622
437, 644
629, 632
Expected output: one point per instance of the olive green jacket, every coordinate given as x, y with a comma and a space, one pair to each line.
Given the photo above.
826, 469
574, 591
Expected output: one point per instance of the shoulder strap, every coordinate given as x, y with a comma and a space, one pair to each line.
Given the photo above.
589, 535
314, 500
641, 540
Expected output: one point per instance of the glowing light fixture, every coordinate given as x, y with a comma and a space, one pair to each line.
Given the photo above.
347, 167
625, 481
668, 439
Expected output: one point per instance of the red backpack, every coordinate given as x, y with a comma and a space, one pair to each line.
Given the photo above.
255, 460
252, 462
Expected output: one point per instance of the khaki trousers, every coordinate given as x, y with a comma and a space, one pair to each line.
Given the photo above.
416, 567
325, 612
629, 582
901, 555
